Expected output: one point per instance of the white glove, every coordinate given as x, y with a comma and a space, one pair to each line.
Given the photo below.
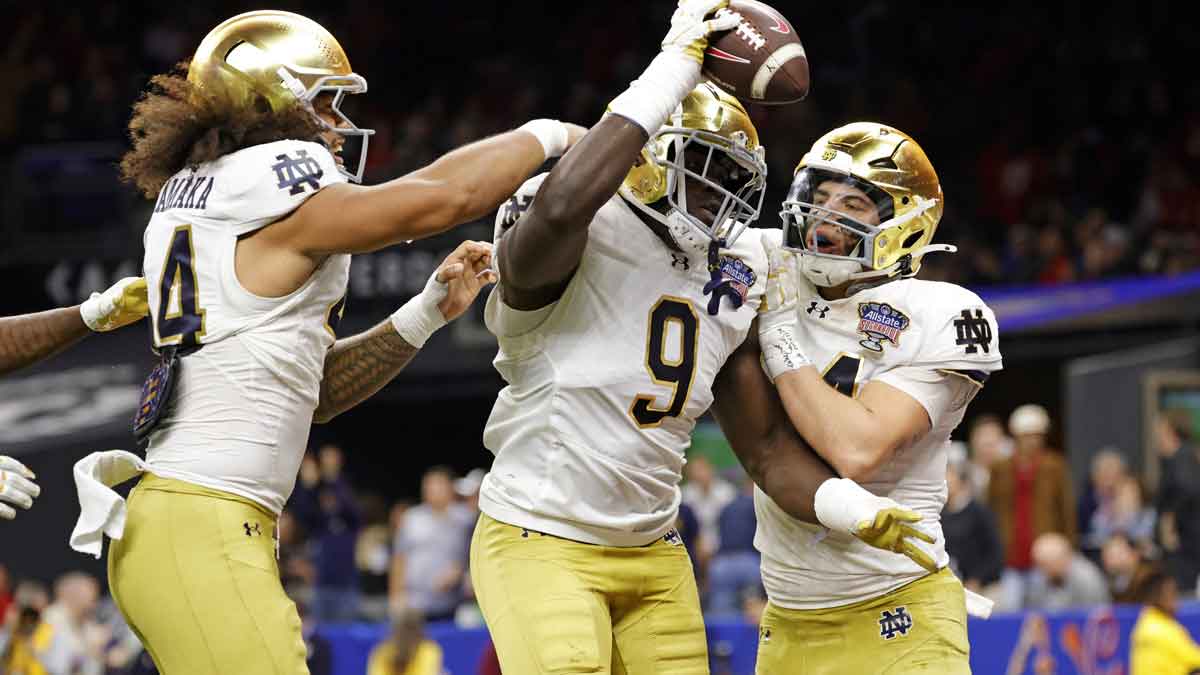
122, 304
420, 317
690, 30
16, 487
676, 71
844, 506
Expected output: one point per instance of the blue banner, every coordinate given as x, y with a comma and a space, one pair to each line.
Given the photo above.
1020, 308
1077, 642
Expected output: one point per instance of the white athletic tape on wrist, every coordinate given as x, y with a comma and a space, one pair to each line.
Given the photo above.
420, 317
841, 504
552, 134
781, 351
651, 98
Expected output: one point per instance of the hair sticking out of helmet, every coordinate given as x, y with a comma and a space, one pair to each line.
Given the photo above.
864, 205
284, 59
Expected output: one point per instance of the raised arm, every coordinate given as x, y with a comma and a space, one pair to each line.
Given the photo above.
540, 253
457, 188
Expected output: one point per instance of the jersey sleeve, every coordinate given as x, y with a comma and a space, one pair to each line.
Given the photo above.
963, 336
502, 320
516, 206
941, 393
266, 182
782, 292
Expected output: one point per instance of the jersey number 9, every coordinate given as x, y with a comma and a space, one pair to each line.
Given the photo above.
676, 372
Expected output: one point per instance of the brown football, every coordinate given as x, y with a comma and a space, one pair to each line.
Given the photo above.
759, 61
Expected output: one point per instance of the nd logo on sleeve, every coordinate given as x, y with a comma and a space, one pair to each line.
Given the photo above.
974, 331
294, 173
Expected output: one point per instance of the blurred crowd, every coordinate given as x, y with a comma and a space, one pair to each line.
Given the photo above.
1015, 529
1064, 140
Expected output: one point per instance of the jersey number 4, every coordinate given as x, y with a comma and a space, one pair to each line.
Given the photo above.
675, 370
182, 322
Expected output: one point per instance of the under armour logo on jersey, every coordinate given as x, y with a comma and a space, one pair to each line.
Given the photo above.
680, 261
896, 621
672, 537
251, 531
973, 331
812, 308
295, 173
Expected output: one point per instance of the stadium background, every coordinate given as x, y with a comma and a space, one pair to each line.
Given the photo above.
1064, 134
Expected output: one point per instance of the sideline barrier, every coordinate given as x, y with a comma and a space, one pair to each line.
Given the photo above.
1077, 642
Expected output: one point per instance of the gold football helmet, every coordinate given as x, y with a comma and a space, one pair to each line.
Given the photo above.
714, 121
284, 58
881, 166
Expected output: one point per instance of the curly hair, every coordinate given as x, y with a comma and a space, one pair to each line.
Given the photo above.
175, 125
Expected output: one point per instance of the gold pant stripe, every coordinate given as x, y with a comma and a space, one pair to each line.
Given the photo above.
556, 606
196, 578
918, 628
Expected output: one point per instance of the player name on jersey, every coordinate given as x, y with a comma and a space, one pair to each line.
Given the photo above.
188, 192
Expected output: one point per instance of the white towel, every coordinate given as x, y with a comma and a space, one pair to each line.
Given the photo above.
102, 510
977, 605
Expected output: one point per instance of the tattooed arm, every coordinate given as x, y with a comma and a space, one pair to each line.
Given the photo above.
27, 339
358, 366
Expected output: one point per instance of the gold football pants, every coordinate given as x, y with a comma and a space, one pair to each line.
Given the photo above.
196, 578
917, 628
559, 606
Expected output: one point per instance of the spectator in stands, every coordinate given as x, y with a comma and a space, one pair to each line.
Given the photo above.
1107, 471
1127, 570
407, 651
19, 647
1179, 499
324, 504
1160, 645
1064, 577
75, 641
1030, 495
429, 558
1124, 512
373, 559
988, 444
972, 540
735, 566
707, 494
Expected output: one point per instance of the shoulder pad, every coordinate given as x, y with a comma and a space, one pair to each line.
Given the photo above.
261, 184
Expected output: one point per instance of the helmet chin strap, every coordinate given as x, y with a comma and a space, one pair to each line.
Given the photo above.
685, 235
828, 273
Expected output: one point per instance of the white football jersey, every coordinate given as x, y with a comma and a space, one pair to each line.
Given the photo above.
606, 384
936, 342
242, 407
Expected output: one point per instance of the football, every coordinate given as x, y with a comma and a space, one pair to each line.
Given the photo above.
759, 61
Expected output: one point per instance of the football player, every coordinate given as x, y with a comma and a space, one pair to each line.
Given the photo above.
624, 300
27, 339
247, 256
875, 369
